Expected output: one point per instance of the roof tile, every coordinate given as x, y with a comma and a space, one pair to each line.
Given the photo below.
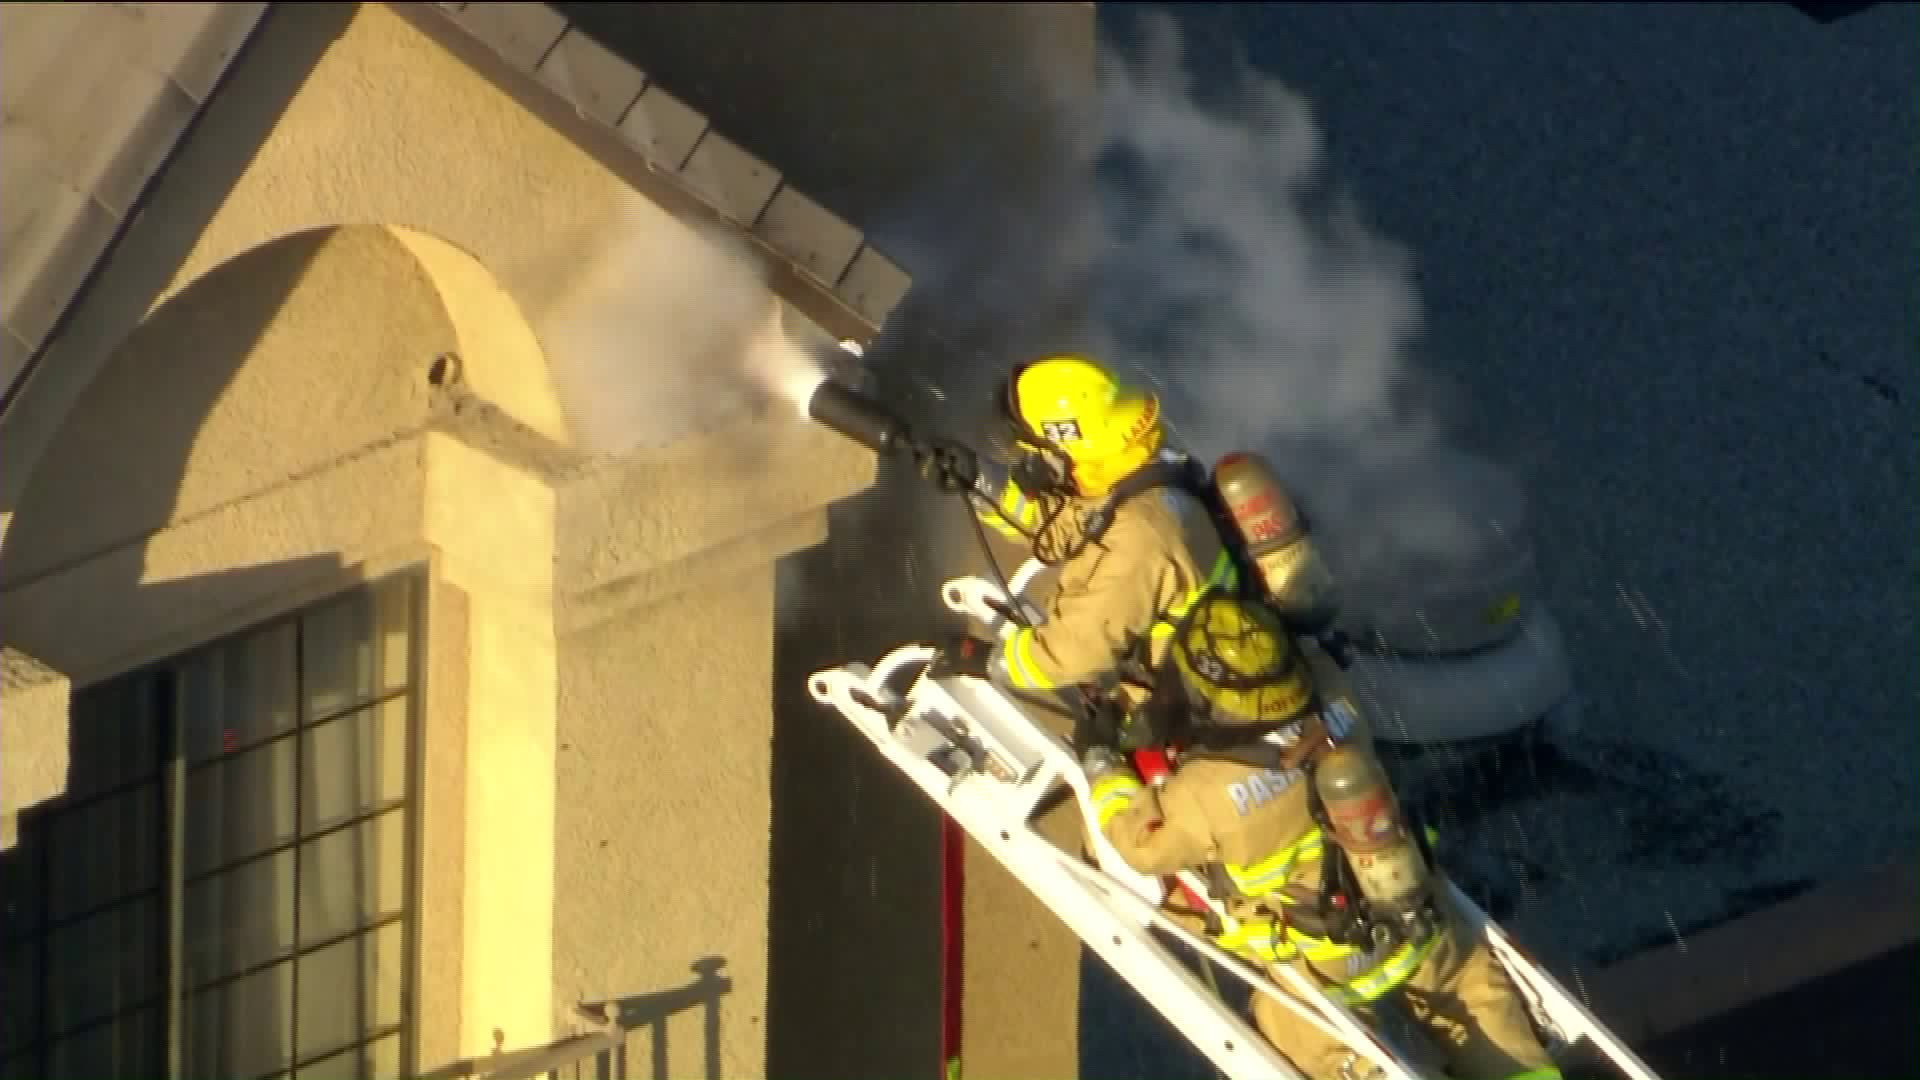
599, 84
521, 32
737, 183
663, 127
809, 234
53, 234
874, 285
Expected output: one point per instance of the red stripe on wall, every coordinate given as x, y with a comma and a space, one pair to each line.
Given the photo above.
953, 864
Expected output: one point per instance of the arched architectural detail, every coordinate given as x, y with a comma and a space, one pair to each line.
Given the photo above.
321, 358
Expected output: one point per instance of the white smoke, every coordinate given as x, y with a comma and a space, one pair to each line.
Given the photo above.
657, 330
1235, 274
1222, 264
1232, 274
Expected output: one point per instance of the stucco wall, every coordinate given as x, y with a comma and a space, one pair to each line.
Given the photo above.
665, 733
253, 417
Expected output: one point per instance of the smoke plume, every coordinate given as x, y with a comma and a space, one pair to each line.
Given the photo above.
1236, 276
1224, 266
657, 330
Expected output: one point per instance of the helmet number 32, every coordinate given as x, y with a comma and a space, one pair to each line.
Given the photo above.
1209, 666
1061, 431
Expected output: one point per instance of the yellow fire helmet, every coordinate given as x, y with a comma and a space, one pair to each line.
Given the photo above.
1237, 658
1072, 405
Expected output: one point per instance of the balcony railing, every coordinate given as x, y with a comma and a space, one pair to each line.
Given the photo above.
601, 1050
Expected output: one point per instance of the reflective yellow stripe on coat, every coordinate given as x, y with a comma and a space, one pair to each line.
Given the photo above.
1011, 508
1271, 873
1113, 793
1223, 576
1023, 671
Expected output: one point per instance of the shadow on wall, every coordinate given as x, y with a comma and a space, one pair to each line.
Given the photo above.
610, 1050
83, 948
836, 1008
165, 240
41, 538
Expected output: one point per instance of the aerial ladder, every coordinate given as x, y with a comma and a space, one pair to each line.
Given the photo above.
973, 751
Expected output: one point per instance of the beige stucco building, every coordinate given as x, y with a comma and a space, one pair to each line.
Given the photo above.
357, 719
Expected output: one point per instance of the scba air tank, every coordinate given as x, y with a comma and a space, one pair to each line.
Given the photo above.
1275, 537
1365, 820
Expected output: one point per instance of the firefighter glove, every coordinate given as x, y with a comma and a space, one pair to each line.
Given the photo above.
951, 466
964, 654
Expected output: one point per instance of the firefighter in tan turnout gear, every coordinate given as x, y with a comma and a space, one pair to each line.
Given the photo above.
1097, 498
1243, 814
1149, 613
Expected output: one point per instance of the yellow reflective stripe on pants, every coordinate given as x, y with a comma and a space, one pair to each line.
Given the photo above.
1223, 576
1273, 871
1022, 670
1113, 793
1548, 1073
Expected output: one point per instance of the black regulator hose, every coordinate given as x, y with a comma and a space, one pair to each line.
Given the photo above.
1013, 610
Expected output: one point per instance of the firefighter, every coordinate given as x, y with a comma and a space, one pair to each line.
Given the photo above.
1149, 612
1238, 810
1094, 492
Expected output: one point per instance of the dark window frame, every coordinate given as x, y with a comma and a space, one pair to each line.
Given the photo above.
166, 894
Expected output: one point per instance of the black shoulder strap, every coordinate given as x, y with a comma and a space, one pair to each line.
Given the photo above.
1182, 474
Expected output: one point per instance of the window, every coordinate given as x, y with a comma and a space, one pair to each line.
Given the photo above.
225, 890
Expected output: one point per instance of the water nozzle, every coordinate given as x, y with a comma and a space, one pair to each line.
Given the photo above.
859, 418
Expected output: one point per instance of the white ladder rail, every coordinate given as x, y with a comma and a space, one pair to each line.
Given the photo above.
1114, 908
1124, 944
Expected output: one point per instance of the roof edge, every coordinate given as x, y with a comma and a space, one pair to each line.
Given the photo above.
848, 291
1825, 930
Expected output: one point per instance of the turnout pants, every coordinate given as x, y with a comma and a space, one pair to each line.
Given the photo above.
1461, 999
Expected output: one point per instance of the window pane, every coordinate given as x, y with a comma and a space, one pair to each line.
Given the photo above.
352, 877
354, 648
353, 764
19, 994
104, 964
240, 805
393, 634
348, 990
378, 1060
239, 919
239, 1029
105, 850
20, 881
113, 735
237, 693
126, 1048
